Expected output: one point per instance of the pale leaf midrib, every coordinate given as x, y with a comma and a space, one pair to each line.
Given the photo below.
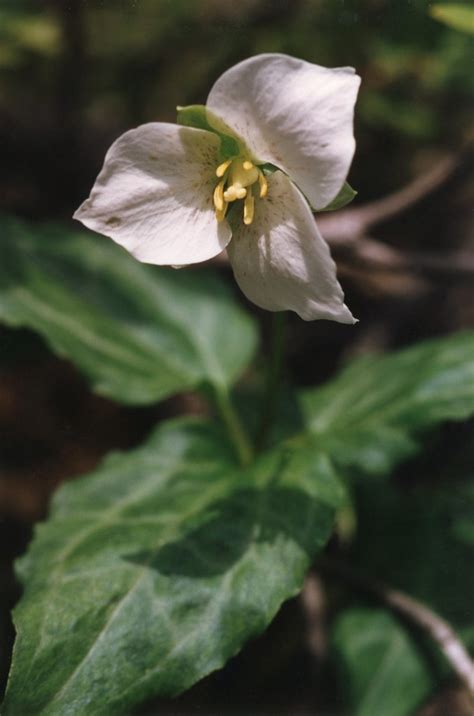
385, 668
96, 342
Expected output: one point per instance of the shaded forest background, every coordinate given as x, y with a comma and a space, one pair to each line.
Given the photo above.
74, 74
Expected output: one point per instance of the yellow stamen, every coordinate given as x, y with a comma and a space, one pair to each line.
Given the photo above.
263, 184
237, 176
219, 196
220, 213
222, 168
249, 209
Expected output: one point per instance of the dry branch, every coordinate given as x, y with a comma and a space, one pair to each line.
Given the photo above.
348, 225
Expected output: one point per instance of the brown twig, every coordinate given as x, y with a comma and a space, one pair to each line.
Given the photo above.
369, 252
347, 225
414, 611
313, 602
412, 193
349, 230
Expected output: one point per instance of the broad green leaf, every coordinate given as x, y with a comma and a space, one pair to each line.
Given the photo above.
371, 414
154, 570
345, 196
199, 117
381, 666
137, 332
459, 16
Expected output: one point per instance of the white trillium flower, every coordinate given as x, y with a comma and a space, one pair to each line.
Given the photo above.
274, 142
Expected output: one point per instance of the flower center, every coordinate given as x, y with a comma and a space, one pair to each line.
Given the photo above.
237, 179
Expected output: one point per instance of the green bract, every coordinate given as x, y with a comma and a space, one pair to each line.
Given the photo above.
154, 570
138, 333
371, 415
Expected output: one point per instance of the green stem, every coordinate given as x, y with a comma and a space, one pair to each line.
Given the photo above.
273, 378
233, 425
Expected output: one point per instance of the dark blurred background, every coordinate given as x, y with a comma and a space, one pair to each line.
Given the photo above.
74, 74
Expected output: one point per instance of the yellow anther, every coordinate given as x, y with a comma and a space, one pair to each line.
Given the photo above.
219, 196
222, 168
234, 192
263, 184
247, 165
249, 208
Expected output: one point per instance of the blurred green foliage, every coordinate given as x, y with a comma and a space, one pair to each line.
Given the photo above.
460, 16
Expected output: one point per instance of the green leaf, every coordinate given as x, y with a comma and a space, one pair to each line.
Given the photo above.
137, 332
345, 196
199, 117
371, 415
459, 16
154, 570
381, 666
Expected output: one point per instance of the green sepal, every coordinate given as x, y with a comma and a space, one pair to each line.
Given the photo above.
345, 196
199, 117
268, 168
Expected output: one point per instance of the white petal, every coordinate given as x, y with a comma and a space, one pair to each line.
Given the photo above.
281, 262
154, 195
294, 114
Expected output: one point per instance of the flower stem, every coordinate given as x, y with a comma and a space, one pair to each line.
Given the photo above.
235, 429
273, 378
